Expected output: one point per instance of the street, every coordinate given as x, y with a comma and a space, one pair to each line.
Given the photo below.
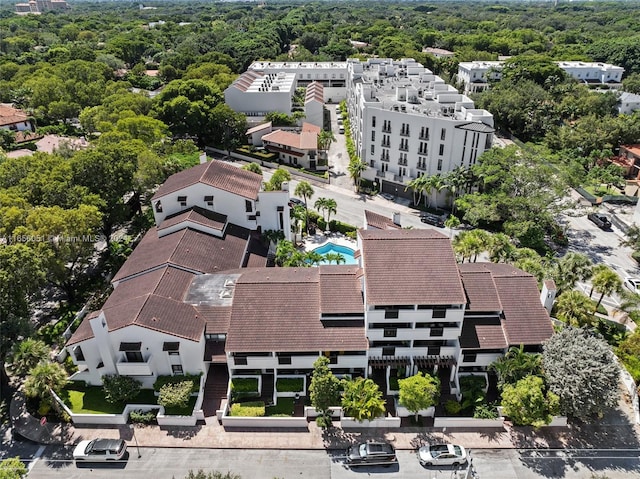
270, 464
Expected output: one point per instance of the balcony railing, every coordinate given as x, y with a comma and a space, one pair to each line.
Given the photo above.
126, 368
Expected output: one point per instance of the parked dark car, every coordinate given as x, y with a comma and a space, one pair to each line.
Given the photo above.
601, 221
432, 219
295, 202
371, 454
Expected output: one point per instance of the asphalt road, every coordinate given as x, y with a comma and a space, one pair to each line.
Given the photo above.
267, 464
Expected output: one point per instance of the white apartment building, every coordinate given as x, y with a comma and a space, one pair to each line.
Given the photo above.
628, 103
407, 122
476, 75
331, 75
255, 93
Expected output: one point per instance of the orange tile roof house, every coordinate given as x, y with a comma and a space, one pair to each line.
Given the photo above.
299, 148
15, 119
197, 296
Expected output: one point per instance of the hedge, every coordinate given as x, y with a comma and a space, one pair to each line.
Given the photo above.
162, 380
248, 409
244, 385
293, 385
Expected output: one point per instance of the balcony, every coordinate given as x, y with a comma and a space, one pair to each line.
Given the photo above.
402, 162
134, 368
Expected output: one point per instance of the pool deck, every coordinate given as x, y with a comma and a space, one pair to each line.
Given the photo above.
312, 242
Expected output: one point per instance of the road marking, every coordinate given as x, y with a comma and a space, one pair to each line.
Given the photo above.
36, 456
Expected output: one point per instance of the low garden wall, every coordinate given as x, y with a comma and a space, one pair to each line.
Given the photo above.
402, 411
311, 412
265, 422
469, 422
351, 423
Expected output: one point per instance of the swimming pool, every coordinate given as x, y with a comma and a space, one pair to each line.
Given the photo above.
347, 253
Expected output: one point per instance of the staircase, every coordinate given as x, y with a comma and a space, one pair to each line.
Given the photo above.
268, 387
215, 389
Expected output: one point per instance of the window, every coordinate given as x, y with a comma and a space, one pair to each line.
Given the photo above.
172, 348
284, 359
440, 164
177, 369
390, 332
437, 332
77, 352
443, 134
373, 149
391, 314
439, 313
441, 150
433, 351
248, 206
389, 351
182, 200
209, 200
373, 135
240, 360
469, 357
373, 121
158, 206
132, 352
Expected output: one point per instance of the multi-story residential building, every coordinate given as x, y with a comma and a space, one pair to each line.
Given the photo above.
628, 103
298, 148
196, 296
36, 7
476, 75
407, 122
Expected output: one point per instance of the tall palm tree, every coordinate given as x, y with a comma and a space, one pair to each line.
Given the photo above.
501, 248
575, 308
456, 181
327, 205
435, 184
298, 215
325, 138
417, 185
333, 256
606, 282
305, 190
356, 168
570, 269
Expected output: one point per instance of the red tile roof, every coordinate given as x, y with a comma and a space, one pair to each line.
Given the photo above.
481, 291
381, 222
482, 333
340, 289
216, 318
11, 116
410, 267
525, 321
278, 309
215, 173
198, 215
187, 249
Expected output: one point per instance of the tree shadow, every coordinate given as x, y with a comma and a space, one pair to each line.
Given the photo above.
185, 433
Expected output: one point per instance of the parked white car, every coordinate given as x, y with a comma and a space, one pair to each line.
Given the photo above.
442, 455
98, 450
633, 284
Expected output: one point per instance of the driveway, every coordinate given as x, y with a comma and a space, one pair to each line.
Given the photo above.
338, 157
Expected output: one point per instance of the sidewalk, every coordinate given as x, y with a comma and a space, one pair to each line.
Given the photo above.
615, 430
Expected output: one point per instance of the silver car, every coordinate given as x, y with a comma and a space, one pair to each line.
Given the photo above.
98, 450
442, 455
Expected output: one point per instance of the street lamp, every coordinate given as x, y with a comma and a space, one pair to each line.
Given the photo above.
396, 193
133, 430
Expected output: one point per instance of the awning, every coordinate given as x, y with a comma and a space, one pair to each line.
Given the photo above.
430, 361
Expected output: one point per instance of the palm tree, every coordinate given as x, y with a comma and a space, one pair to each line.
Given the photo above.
575, 308
305, 190
570, 269
362, 399
356, 168
434, 183
501, 248
325, 138
418, 186
515, 365
284, 251
455, 182
333, 256
27, 354
313, 258
606, 282
44, 380
298, 216
332, 207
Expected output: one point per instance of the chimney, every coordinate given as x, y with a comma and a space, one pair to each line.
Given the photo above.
203, 157
548, 294
285, 186
396, 218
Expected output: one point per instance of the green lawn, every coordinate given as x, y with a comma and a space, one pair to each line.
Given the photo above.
283, 407
90, 400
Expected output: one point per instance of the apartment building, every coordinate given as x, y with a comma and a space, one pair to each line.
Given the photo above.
407, 122
476, 75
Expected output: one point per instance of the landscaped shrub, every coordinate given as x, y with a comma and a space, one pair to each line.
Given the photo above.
393, 383
472, 389
452, 407
175, 394
485, 411
120, 389
341, 227
142, 417
244, 385
162, 380
292, 385
248, 409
